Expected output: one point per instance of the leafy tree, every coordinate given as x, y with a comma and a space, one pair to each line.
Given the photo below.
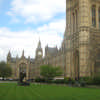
49, 72
5, 70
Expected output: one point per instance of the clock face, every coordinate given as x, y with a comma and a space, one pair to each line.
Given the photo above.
39, 53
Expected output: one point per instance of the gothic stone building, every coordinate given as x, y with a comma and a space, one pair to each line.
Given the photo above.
79, 55
32, 66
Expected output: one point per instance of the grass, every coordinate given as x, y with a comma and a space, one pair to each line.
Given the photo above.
10, 91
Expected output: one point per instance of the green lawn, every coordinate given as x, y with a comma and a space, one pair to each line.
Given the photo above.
10, 91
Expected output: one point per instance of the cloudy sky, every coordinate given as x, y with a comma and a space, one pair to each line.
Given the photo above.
23, 22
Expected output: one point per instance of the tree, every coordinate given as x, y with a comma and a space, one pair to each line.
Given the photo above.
49, 72
5, 70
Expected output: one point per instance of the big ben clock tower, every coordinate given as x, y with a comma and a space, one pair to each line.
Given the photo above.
39, 52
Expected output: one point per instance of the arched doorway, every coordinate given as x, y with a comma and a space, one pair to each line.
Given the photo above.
97, 63
76, 64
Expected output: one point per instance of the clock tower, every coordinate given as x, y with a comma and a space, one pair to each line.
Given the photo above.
39, 52
9, 57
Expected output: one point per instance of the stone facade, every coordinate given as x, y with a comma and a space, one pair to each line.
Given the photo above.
79, 55
82, 38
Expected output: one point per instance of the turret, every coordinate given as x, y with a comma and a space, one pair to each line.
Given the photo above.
29, 58
16, 58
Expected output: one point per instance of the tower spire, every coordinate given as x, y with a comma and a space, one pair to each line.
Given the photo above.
23, 53
39, 44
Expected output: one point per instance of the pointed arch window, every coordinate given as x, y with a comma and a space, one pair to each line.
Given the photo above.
76, 19
73, 22
94, 16
99, 17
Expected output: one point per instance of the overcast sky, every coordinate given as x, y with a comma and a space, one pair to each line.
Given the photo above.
23, 22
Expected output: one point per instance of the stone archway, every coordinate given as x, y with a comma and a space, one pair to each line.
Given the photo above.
23, 66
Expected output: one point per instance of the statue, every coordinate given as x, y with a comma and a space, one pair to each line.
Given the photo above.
22, 80
22, 75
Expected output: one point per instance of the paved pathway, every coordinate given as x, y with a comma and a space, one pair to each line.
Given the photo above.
8, 82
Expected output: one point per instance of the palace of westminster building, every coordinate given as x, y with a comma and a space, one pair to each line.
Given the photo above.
79, 55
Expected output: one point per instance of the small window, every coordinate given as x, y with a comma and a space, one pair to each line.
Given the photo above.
94, 16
